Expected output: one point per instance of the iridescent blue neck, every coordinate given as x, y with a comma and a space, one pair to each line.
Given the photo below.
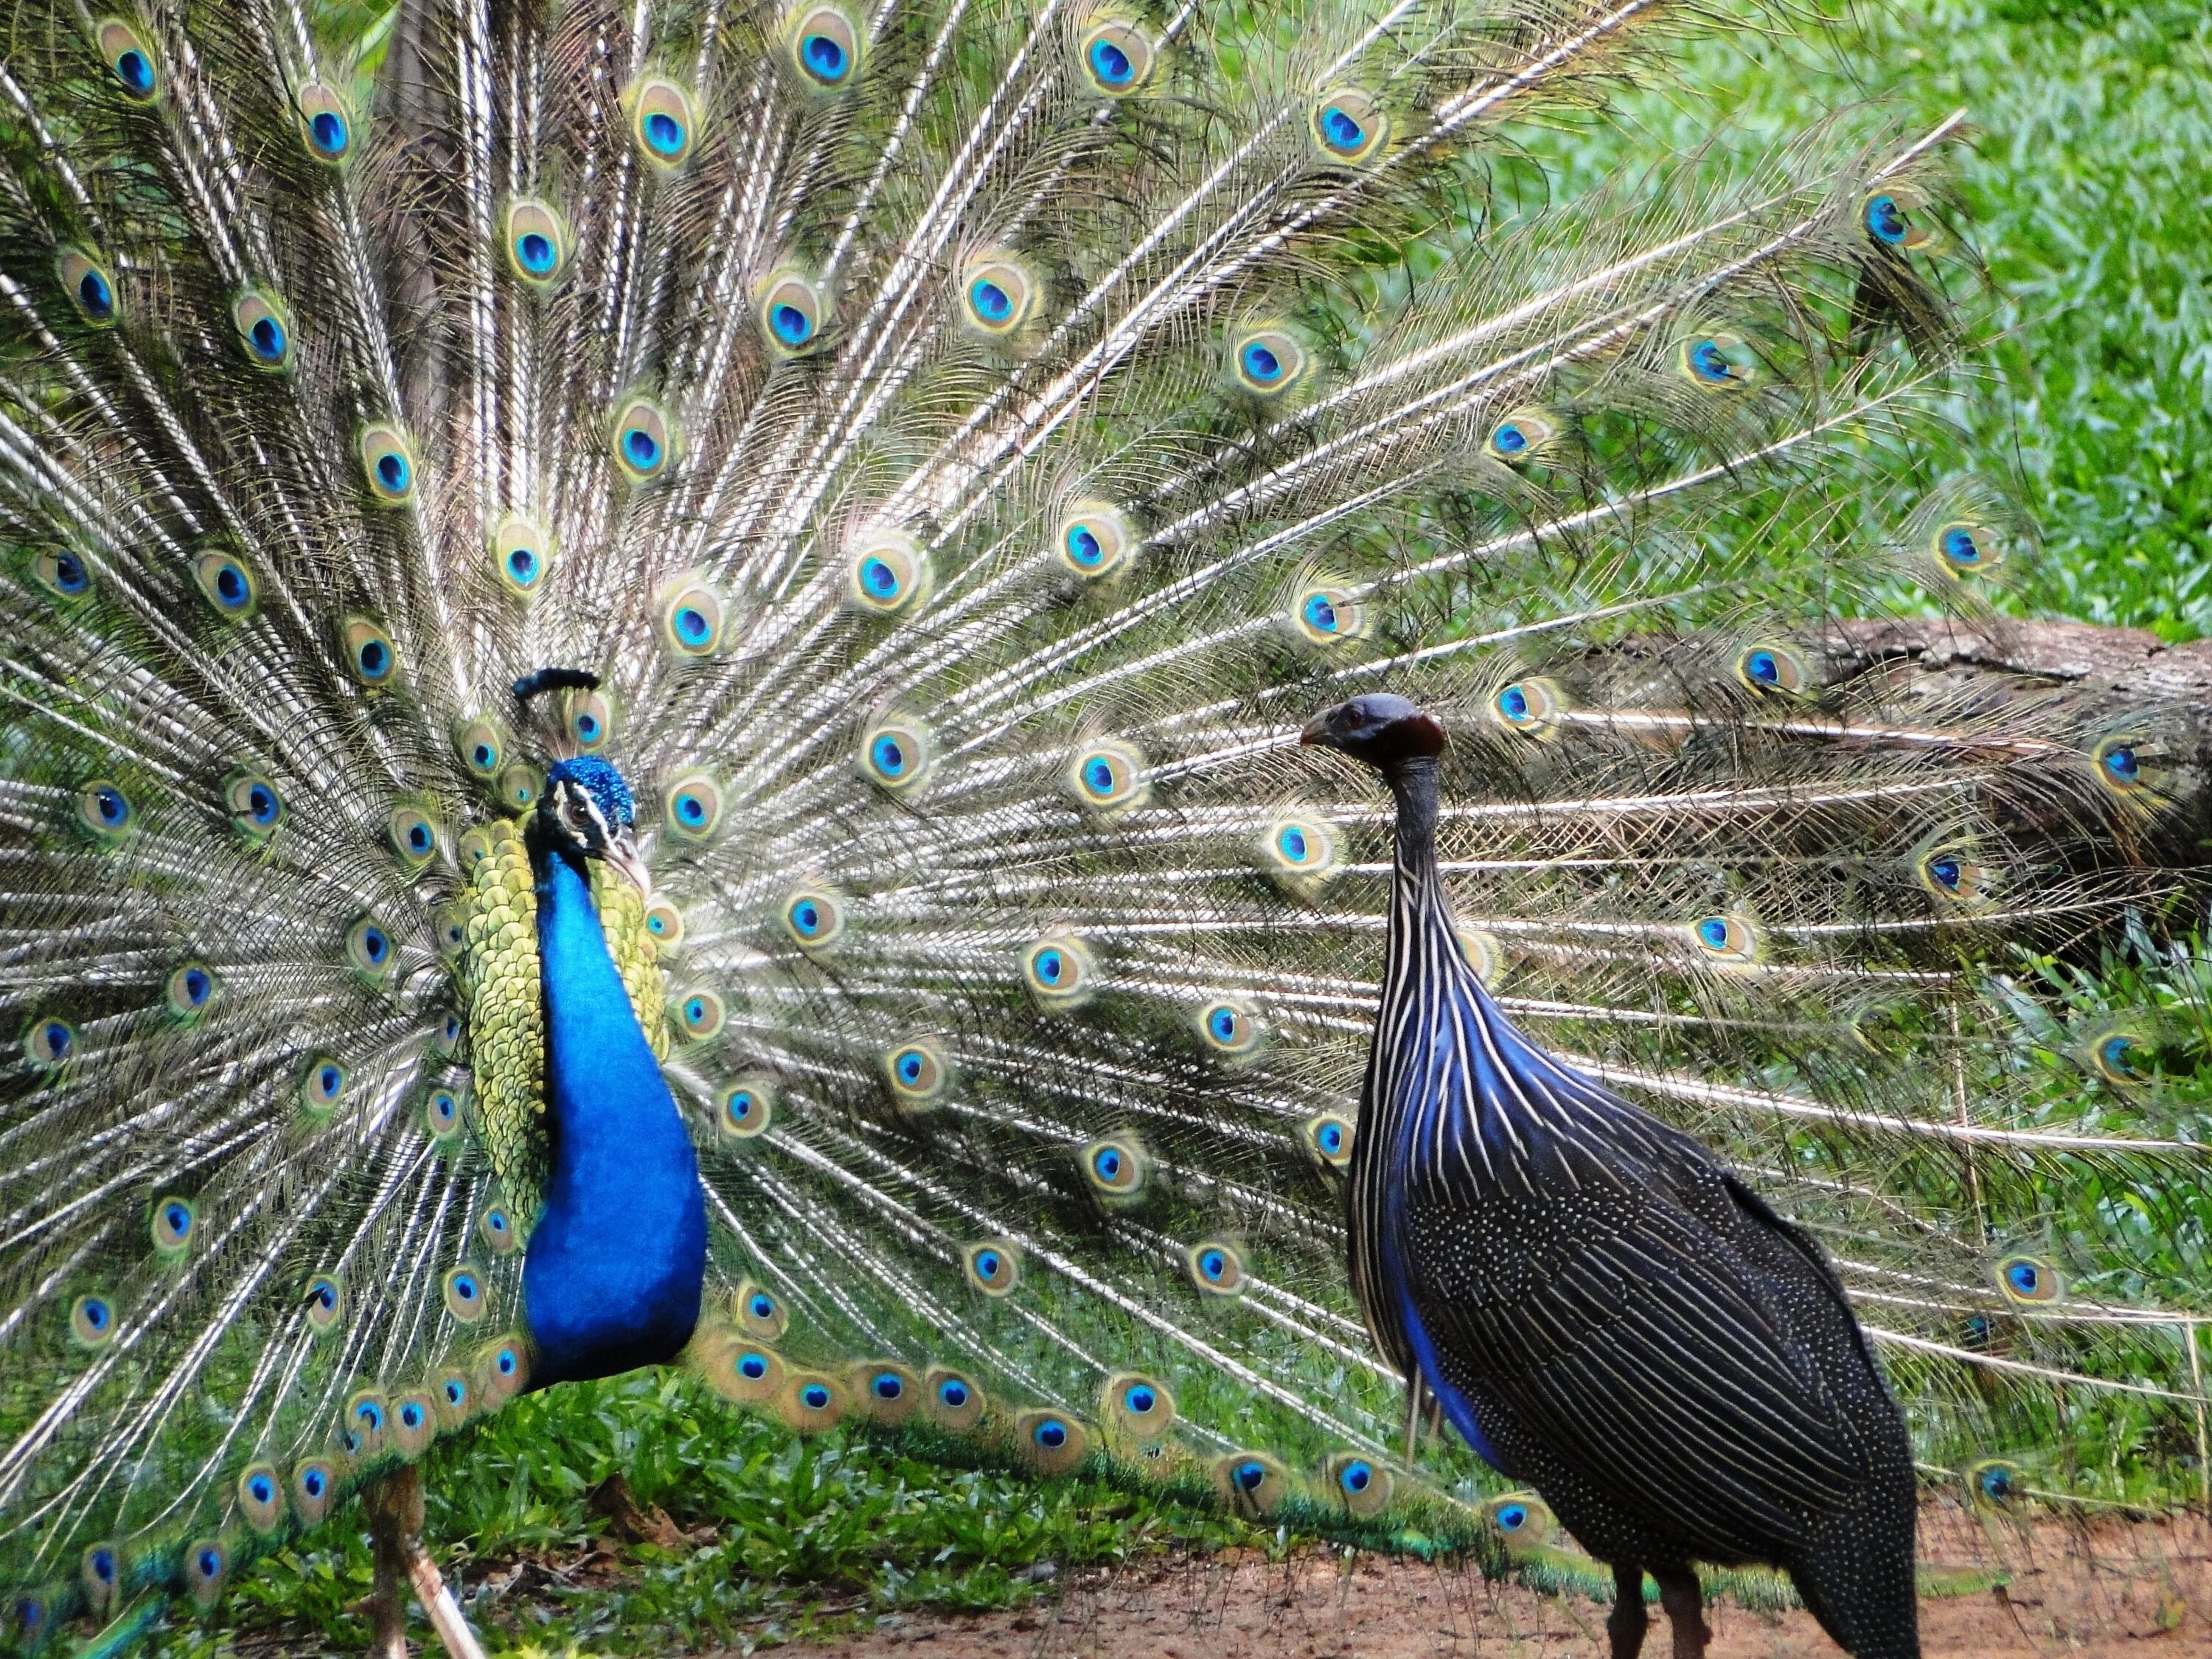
619, 1257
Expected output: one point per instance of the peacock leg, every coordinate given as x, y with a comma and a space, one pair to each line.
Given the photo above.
1684, 1599
395, 1515
395, 1524
1627, 1622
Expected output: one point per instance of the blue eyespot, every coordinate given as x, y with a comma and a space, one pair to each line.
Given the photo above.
1111, 64
328, 131
792, 326
1249, 1475
1996, 1483
135, 70
95, 1313
1292, 844
1510, 440
752, 1367
392, 471
1944, 871
2025, 1276
1885, 221
1319, 614
1083, 545
263, 1489
1715, 932
1140, 1400
1341, 131
991, 302
177, 1221
1511, 1518
1051, 1434
825, 59
1261, 364
411, 1414
692, 626
909, 1069
1212, 1263
93, 293
1513, 703
880, 578
506, 1362
691, 810
369, 1415
456, 1392
642, 448
815, 1396
952, 1393
806, 916
1709, 362
536, 251
266, 338
1959, 546
887, 756
207, 1563
665, 133
1222, 1022
1050, 966
232, 590
1098, 777
1108, 1164
2121, 763
888, 1385
761, 1306
1762, 667
1330, 1137
1356, 1477
113, 811
986, 1264
741, 1104
464, 1288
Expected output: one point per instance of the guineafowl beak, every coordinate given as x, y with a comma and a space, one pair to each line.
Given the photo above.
622, 851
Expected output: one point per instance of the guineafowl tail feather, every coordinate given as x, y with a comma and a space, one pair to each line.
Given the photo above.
955, 447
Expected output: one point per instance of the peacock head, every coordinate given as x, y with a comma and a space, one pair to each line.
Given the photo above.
1378, 728
586, 808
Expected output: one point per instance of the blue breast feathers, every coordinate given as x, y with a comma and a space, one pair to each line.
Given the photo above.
616, 1261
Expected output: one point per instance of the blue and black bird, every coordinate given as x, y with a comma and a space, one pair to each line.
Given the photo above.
1601, 1307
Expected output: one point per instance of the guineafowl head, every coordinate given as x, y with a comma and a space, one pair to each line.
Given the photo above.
1378, 728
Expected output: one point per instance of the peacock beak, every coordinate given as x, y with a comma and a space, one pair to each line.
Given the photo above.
622, 852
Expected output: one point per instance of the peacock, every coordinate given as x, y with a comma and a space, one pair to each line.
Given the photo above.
654, 663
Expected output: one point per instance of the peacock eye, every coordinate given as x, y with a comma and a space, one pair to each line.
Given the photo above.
825, 47
664, 122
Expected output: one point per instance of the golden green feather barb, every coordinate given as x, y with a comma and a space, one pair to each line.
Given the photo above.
965, 440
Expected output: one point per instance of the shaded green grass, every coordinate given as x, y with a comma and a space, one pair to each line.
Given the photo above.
787, 1536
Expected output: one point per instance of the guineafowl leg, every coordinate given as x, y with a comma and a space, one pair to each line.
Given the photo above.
1684, 1599
1627, 1622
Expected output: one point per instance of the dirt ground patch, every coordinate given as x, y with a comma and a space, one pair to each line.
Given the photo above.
2104, 1589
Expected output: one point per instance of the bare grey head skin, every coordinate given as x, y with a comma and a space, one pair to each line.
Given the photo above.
586, 810
1384, 730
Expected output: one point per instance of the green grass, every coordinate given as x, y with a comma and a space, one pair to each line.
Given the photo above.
2083, 196
791, 1536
